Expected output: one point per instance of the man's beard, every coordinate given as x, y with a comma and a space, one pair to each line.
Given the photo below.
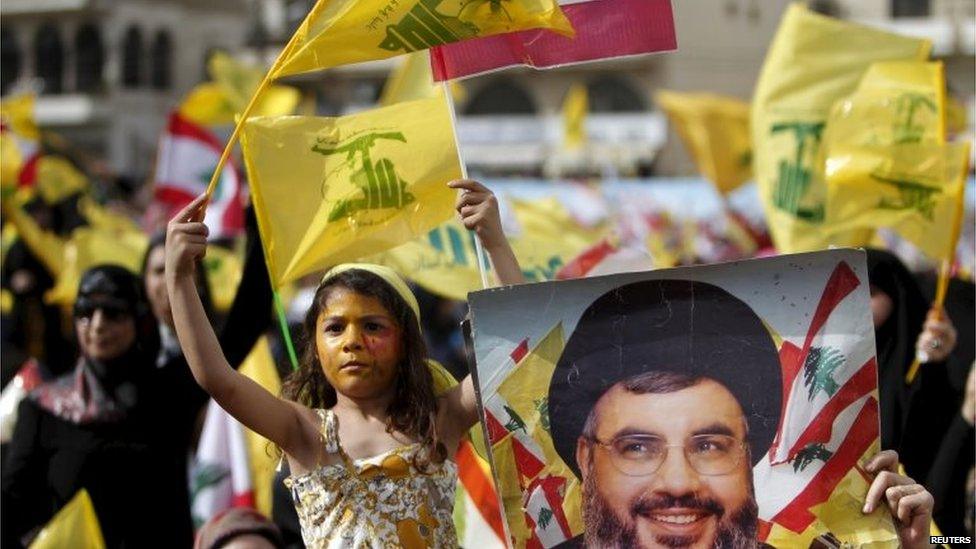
603, 528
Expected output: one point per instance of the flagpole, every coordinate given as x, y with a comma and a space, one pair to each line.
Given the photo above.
479, 250
945, 269
265, 82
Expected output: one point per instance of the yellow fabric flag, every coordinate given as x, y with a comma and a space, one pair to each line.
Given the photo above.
442, 262
89, 247
18, 113
549, 237
57, 179
75, 525
339, 32
575, 106
330, 190
413, 79
47, 246
224, 269
896, 102
233, 83
715, 130
912, 188
813, 61
11, 160
100, 217
259, 366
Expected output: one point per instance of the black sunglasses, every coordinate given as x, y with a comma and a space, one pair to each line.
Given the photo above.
85, 308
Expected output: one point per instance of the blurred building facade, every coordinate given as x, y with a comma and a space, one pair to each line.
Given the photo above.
108, 72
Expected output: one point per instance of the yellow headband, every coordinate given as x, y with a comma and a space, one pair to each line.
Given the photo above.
387, 274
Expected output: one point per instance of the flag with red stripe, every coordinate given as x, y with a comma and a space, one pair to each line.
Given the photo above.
187, 156
604, 29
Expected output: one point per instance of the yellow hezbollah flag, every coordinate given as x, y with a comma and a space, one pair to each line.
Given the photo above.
338, 32
75, 525
715, 130
224, 269
912, 188
413, 79
89, 247
896, 102
57, 179
813, 61
329, 190
18, 113
233, 83
47, 246
443, 262
11, 160
575, 107
100, 217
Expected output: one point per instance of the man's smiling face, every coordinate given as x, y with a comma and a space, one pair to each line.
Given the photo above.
684, 502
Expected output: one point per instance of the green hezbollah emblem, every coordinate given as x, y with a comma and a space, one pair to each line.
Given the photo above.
794, 177
905, 128
424, 27
911, 195
381, 186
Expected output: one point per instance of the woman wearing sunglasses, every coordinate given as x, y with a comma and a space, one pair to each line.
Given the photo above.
87, 429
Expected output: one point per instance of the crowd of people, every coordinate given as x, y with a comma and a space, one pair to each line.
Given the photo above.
124, 389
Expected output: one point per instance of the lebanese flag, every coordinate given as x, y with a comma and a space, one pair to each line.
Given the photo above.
479, 523
221, 473
187, 157
543, 508
604, 29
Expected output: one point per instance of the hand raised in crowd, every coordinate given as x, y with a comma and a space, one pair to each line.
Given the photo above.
938, 337
909, 502
186, 239
477, 209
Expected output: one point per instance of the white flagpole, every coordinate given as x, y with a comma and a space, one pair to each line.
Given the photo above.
478, 248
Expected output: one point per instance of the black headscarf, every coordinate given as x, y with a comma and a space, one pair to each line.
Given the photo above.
105, 391
895, 340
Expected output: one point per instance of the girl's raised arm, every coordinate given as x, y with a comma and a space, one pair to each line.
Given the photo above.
477, 209
284, 423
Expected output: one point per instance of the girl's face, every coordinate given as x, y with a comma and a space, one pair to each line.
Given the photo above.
359, 344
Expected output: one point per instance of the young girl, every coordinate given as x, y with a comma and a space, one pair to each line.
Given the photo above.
369, 445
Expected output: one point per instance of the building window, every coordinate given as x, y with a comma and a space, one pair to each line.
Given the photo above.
162, 60
10, 59
910, 8
49, 58
614, 94
501, 96
132, 58
89, 58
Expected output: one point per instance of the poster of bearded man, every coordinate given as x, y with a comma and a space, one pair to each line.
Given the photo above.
727, 405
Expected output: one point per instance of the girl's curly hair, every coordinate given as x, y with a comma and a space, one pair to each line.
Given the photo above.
413, 410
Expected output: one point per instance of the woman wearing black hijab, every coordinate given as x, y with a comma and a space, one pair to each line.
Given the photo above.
86, 429
915, 415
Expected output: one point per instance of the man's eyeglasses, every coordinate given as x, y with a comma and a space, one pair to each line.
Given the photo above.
85, 309
643, 455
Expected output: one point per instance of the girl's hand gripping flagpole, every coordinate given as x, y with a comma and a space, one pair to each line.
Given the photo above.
478, 247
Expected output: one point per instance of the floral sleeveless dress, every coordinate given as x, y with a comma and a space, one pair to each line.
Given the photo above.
377, 502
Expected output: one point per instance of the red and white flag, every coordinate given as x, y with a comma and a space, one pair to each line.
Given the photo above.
221, 472
187, 156
604, 29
